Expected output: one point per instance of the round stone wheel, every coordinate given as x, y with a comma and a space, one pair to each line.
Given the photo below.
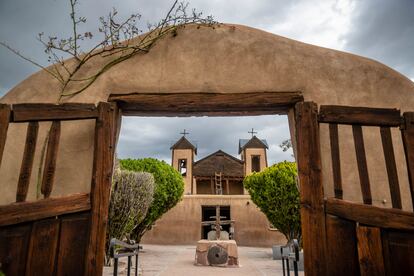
217, 255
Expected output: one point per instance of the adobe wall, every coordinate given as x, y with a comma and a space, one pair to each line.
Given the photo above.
184, 154
182, 224
250, 60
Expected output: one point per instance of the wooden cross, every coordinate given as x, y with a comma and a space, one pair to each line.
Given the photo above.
252, 132
184, 133
218, 221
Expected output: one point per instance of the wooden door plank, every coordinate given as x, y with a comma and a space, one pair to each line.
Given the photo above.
4, 125
336, 161
392, 173
14, 241
366, 116
42, 247
362, 164
311, 188
44, 208
398, 248
100, 188
72, 244
27, 162
371, 261
51, 156
342, 253
371, 215
408, 141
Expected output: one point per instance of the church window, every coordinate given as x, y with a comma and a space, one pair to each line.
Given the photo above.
255, 163
182, 166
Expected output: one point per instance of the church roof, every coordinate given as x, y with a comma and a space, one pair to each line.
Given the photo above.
254, 142
183, 143
219, 161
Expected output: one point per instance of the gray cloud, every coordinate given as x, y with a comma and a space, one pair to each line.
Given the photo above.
384, 30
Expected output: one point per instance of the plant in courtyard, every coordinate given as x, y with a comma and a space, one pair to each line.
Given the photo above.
275, 192
168, 191
131, 195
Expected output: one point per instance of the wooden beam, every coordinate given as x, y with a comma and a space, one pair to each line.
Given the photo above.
44, 208
408, 141
370, 215
311, 189
4, 125
362, 164
371, 260
211, 104
27, 162
392, 173
51, 156
100, 188
336, 161
359, 115
49, 112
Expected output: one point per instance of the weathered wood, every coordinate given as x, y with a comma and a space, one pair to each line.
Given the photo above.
100, 188
342, 254
4, 125
311, 189
371, 261
392, 173
42, 247
27, 162
49, 112
408, 141
44, 208
370, 215
359, 115
72, 244
51, 156
398, 250
211, 104
14, 241
336, 162
362, 164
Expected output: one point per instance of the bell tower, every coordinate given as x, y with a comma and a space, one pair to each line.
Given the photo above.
183, 153
253, 153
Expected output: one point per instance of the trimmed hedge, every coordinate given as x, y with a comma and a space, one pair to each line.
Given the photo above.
169, 188
131, 195
275, 192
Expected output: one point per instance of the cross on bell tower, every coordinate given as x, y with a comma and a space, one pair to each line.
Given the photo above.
252, 132
184, 133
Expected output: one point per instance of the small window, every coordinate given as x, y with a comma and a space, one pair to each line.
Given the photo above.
182, 166
255, 163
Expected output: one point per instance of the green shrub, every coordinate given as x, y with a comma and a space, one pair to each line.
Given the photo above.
169, 188
275, 192
131, 195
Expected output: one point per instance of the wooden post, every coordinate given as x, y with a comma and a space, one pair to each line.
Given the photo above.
408, 140
101, 187
311, 188
4, 125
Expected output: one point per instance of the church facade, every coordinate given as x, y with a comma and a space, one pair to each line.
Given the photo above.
216, 180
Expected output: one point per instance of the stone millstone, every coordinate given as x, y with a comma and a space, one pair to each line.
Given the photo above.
217, 255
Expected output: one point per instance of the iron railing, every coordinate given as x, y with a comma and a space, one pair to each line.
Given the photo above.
119, 249
290, 252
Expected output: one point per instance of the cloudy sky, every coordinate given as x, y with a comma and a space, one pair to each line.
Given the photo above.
378, 29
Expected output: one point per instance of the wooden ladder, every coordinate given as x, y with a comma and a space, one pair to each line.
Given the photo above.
219, 186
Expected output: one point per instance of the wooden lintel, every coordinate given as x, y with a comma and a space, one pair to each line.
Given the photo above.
43, 208
48, 112
359, 115
370, 215
211, 104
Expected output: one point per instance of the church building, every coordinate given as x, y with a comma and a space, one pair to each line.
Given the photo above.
216, 180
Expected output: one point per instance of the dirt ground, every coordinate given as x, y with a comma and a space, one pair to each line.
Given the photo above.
163, 260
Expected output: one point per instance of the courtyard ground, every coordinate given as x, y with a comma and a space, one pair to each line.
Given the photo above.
163, 260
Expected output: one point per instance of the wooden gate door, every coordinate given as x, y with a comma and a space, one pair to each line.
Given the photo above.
341, 237
56, 235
